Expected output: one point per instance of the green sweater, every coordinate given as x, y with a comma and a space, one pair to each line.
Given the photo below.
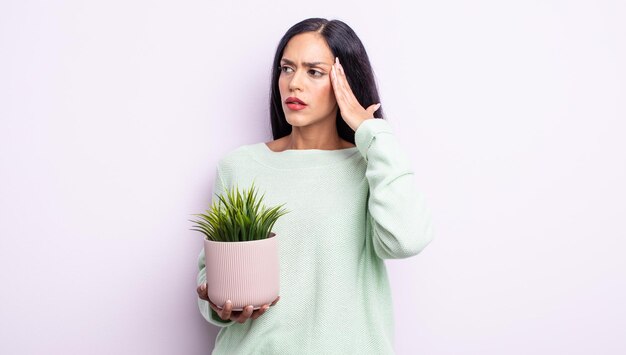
349, 209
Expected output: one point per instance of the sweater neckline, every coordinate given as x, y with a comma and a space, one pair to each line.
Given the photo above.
299, 158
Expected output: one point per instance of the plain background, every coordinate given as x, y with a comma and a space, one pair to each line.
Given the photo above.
114, 113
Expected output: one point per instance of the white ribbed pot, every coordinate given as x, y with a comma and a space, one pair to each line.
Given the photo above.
246, 273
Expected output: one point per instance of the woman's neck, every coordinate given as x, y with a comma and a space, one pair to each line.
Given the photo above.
300, 140
310, 138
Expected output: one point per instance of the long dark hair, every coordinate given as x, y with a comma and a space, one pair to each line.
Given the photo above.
346, 45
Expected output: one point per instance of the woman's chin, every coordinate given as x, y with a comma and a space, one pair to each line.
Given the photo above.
297, 121
300, 120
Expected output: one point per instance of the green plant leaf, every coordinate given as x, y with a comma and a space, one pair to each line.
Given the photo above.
238, 216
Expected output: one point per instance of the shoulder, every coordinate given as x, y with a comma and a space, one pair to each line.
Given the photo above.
278, 145
238, 156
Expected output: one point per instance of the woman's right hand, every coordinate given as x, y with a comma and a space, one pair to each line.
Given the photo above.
226, 313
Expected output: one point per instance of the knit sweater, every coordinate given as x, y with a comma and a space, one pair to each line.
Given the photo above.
349, 209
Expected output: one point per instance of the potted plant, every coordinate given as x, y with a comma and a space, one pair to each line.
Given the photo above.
240, 249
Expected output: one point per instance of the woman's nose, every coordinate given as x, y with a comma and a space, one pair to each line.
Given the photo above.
296, 81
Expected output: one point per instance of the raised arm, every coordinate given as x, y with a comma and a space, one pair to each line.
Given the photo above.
398, 217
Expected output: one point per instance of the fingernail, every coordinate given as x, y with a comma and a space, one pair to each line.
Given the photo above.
228, 302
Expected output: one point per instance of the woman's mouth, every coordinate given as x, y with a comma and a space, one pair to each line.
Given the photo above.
295, 103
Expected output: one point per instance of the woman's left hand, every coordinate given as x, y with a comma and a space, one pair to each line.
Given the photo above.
351, 110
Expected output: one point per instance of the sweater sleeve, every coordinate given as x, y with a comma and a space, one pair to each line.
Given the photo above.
397, 215
205, 309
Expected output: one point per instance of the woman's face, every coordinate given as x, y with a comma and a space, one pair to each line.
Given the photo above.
305, 74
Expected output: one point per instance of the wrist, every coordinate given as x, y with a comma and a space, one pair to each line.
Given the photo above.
360, 122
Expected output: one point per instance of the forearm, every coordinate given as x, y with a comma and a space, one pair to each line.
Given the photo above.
400, 219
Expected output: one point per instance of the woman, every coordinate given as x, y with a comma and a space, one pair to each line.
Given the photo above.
351, 195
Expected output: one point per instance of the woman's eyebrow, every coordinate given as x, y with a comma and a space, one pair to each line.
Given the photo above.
306, 64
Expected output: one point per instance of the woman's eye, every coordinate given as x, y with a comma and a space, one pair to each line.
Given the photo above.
315, 73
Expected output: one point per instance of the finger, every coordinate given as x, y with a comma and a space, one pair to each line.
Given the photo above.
338, 86
341, 72
343, 88
227, 310
275, 301
373, 108
215, 307
343, 93
260, 311
333, 72
202, 292
338, 74
247, 312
